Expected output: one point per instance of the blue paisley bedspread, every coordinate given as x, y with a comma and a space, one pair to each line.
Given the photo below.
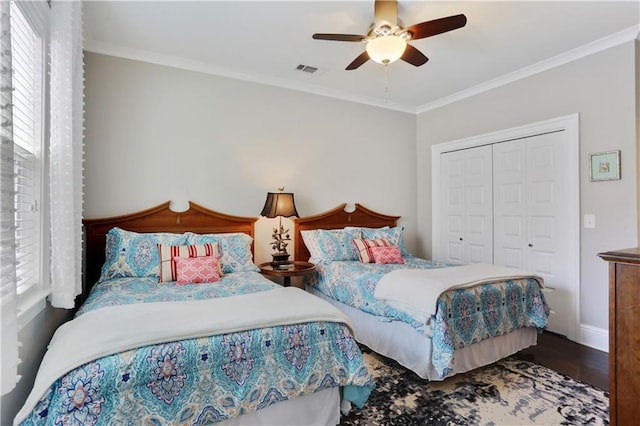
463, 316
202, 380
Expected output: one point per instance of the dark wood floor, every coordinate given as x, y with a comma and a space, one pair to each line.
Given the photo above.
582, 363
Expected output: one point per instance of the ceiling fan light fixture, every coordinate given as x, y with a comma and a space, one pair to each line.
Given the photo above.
386, 49
386, 40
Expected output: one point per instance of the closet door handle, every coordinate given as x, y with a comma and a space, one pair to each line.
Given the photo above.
530, 245
460, 238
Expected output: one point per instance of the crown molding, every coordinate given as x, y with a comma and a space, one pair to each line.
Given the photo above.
207, 68
556, 61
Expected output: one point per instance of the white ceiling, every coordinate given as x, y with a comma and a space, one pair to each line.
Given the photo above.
264, 41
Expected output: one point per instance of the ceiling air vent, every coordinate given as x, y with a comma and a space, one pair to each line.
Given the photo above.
306, 68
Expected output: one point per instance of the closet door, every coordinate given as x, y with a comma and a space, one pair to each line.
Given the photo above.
466, 191
532, 216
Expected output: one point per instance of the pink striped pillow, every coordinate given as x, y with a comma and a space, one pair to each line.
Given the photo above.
389, 254
363, 247
195, 270
168, 254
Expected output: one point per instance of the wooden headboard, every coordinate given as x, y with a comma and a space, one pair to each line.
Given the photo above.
156, 219
335, 219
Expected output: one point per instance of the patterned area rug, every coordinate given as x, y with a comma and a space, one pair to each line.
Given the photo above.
508, 392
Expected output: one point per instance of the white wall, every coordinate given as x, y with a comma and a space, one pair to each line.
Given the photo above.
155, 133
34, 337
601, 88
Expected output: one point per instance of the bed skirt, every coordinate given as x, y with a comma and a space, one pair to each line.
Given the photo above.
320, 408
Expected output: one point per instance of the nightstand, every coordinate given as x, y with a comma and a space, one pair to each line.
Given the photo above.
295, 268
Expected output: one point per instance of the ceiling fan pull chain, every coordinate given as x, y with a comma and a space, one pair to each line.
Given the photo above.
386, 83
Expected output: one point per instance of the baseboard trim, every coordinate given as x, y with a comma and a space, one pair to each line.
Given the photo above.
594, 337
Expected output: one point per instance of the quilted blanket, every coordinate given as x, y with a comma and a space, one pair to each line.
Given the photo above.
462, 317
416, 291
196, 373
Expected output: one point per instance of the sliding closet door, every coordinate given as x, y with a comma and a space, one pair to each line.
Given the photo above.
466, 191
532, 217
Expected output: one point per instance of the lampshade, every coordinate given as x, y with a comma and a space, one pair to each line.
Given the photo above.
386, 49
279, 204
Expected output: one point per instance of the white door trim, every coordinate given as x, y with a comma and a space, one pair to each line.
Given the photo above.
569, 124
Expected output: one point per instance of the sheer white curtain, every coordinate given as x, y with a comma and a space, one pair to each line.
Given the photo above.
9, 330
65, 152
65, 177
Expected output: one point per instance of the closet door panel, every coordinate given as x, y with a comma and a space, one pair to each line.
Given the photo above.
509, 206
479, 184
549, 222
544, 178
477, 248
453, 194
453, 244
531, 210
466, 188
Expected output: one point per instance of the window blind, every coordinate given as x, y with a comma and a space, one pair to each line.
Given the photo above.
26, 49
8, 324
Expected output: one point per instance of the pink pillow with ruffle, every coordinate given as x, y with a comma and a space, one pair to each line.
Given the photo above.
196, 270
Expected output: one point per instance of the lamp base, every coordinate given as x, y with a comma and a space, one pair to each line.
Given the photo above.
280, 260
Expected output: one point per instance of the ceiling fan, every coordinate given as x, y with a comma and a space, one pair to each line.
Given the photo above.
386, 40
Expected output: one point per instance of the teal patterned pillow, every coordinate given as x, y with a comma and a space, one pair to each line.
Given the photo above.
235, 250
393, 235
331, 244
134, 254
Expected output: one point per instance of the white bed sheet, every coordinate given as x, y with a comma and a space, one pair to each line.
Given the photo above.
399, 341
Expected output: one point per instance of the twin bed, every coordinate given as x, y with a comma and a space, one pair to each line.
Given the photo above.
235, 348
465, 328
238, 349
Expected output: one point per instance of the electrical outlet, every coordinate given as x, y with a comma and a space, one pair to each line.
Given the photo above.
589, 221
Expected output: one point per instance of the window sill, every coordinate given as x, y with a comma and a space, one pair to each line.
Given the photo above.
30, 305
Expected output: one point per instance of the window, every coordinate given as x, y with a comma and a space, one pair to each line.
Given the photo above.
27, 63
21, 110
30, 33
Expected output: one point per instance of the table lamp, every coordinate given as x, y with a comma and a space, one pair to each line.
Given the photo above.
279, 204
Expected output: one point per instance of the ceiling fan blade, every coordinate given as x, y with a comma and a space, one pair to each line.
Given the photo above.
364, 57
437, 26
338, 37
386, 12
413, 56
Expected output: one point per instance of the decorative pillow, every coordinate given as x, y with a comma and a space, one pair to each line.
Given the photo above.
331, 244
364, 248
311, 242
133, 254
169, 254
234, 249
389, 254
195, 270
393, 235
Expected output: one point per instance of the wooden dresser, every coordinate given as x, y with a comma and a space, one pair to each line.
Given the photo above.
624, 335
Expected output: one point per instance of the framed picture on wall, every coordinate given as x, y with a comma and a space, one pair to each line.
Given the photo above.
604, 166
